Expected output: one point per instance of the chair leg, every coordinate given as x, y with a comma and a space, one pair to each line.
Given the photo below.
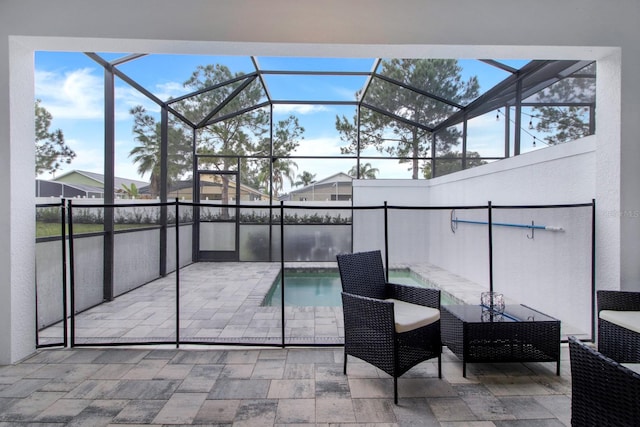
345, 363
395, 390
440, 366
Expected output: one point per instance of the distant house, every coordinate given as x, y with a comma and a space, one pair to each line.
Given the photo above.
211, 188
334, 187
77, 183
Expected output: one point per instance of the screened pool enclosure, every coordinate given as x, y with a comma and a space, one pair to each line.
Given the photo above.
194, 257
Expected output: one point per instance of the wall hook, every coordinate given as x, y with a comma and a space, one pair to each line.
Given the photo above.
533, 231
454, 221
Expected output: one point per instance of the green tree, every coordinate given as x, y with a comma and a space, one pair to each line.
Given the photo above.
287, 135
148, 133
449, 163
366, 171
131, 190
221, 140
304, 179
566, 123
51, 149
441, 77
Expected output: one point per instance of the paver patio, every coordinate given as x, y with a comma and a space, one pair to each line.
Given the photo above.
271, 387
226, 385
222, 303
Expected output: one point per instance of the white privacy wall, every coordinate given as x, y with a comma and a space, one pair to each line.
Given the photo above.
407, 242
545, 272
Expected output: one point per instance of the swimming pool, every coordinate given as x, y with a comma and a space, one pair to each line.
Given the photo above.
321, 288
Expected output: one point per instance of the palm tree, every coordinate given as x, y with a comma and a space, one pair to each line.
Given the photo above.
305, 179
131, 191
286, 138
147, 155
366, 171
282, 168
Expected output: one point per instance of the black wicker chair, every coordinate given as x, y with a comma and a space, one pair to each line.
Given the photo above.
617, 342
603, 392
370, 331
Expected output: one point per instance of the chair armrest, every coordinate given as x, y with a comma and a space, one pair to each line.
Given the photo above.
618, 300
603, 391
428, 297
371, 313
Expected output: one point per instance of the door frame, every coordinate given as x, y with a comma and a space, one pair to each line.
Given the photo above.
233, 255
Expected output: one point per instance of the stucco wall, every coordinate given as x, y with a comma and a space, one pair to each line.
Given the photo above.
545, 271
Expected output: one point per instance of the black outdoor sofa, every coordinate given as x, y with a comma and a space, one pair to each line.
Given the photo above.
615, 340
603, 392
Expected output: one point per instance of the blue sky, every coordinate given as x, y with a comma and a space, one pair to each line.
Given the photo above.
70, 85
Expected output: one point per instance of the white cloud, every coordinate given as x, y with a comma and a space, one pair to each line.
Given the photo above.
298, 109
76, 94
126, 169
168, 90
485, 135
346, 94
128, 97
79, 94
88, 159
319, 147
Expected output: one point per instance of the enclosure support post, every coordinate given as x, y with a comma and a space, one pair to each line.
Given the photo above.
109, 178
433, 155
270, 184
195, 198
177, 274
164, 187
464, 143
282, 269
507, 131
517, 125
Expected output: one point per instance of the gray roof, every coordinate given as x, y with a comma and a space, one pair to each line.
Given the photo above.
87, 188
46, 188
100, 178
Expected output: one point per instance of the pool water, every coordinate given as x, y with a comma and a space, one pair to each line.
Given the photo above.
322, 288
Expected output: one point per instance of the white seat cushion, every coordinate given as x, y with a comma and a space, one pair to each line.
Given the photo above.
412, 316
627, 319
635, 367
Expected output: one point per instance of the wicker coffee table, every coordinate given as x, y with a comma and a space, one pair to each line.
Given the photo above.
521, 334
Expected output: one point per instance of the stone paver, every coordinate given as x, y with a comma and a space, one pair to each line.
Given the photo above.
272, 387
249, 386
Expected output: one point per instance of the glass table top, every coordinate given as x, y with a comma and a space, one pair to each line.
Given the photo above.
512, 313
